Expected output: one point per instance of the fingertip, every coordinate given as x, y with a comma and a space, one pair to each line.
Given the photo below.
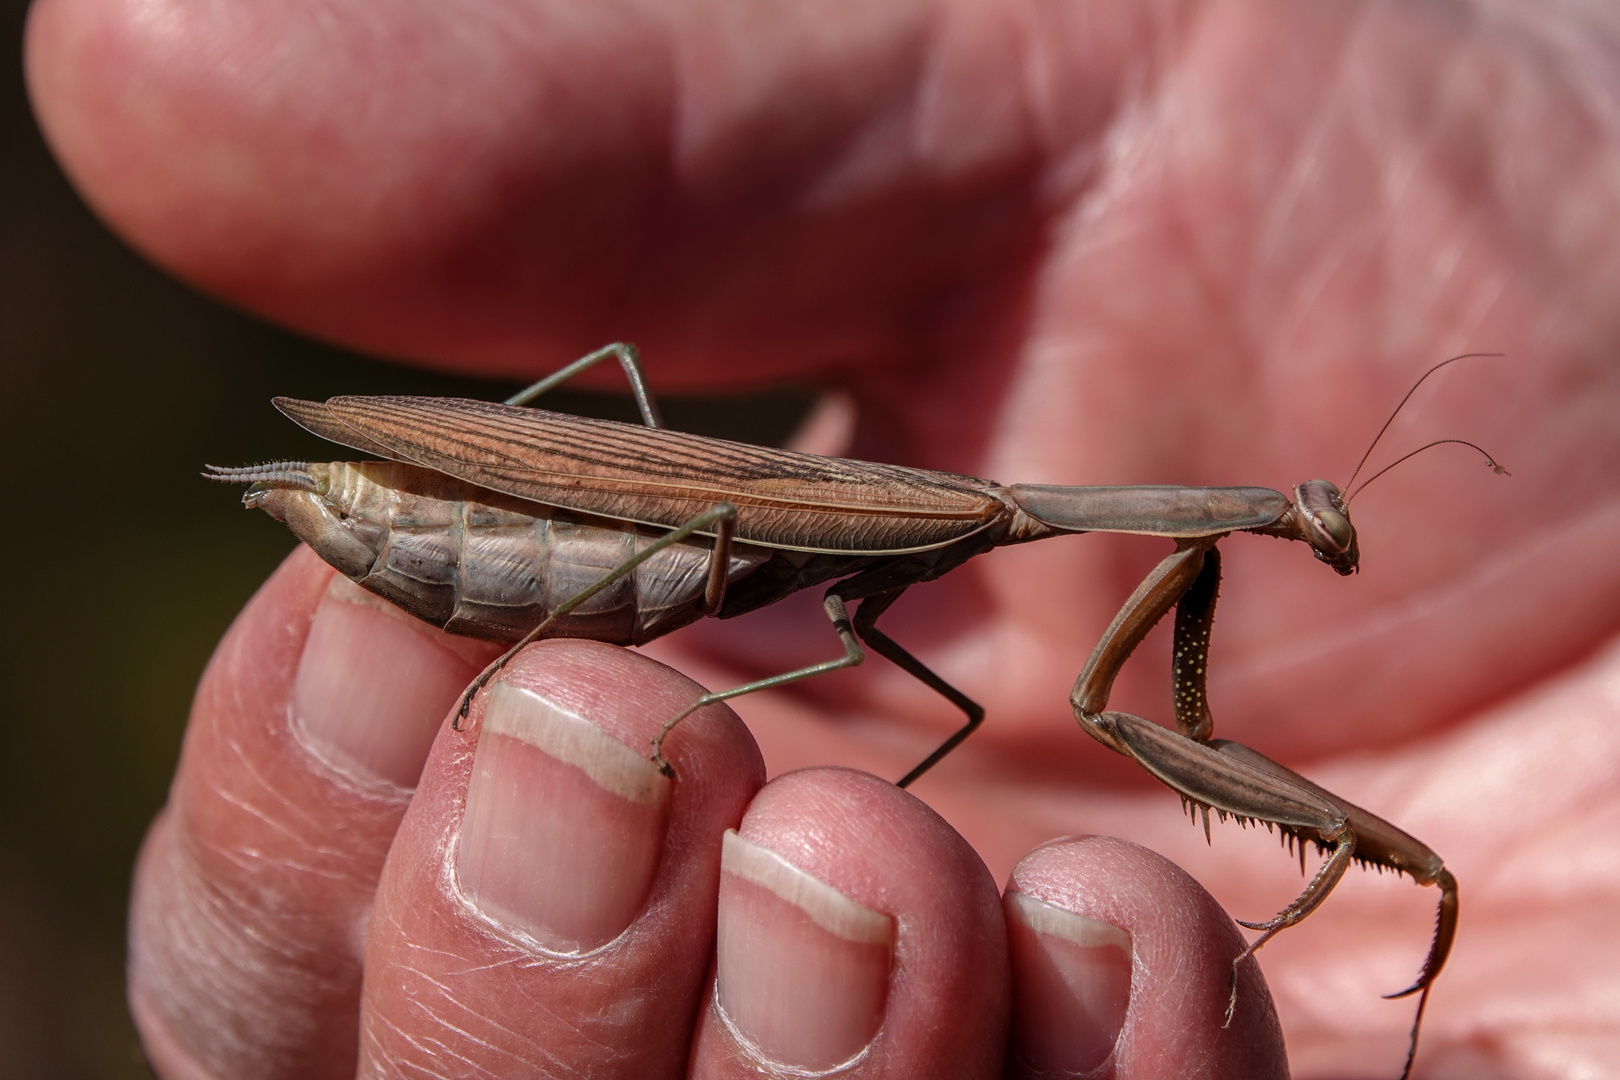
290, 159
567, 816
373, 685
549, 898
251, 893
857, 931
1121, 961
137, 157
803, 969
1072, 985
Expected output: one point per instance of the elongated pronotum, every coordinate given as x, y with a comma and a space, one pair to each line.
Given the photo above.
513, 523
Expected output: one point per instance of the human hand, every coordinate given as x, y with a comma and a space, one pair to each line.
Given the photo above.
544, 903
1207, 244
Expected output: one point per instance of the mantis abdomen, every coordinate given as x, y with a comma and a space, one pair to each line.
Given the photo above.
480, 564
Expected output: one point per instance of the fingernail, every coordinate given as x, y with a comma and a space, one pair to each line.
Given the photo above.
372, 689
803, 970
1071, 985
564, 824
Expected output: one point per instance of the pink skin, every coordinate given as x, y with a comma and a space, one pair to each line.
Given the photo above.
1201, 244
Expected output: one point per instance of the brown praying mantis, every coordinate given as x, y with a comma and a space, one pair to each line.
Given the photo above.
513, 524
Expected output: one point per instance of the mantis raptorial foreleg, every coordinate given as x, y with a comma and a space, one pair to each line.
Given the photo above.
1233, 780
1189, 664
1155, 596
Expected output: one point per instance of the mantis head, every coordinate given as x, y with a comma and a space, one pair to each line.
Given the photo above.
1322, 520
1321, 511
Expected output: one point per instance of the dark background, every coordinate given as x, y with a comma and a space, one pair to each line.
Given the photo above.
121, 567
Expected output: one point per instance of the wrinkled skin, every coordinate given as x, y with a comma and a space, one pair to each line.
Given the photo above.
1203, 244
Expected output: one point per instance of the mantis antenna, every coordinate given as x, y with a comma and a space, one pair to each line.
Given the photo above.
1374, 444
1492, 462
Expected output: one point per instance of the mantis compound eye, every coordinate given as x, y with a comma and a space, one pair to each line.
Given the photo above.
1334, 527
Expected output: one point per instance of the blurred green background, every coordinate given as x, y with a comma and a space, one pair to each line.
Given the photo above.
121, 567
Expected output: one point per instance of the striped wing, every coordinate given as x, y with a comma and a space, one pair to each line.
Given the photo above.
660, 477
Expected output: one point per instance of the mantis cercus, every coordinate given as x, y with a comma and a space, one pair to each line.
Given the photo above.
513, 523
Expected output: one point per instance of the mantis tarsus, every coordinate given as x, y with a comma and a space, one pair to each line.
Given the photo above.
513, 523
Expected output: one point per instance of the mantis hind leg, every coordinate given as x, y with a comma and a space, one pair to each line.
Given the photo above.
628, 358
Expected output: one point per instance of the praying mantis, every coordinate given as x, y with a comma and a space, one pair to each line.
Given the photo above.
513, 523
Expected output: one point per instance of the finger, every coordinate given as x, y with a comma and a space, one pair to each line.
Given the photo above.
857, 931
308, 730
548, 907
627, 169
1120, 957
